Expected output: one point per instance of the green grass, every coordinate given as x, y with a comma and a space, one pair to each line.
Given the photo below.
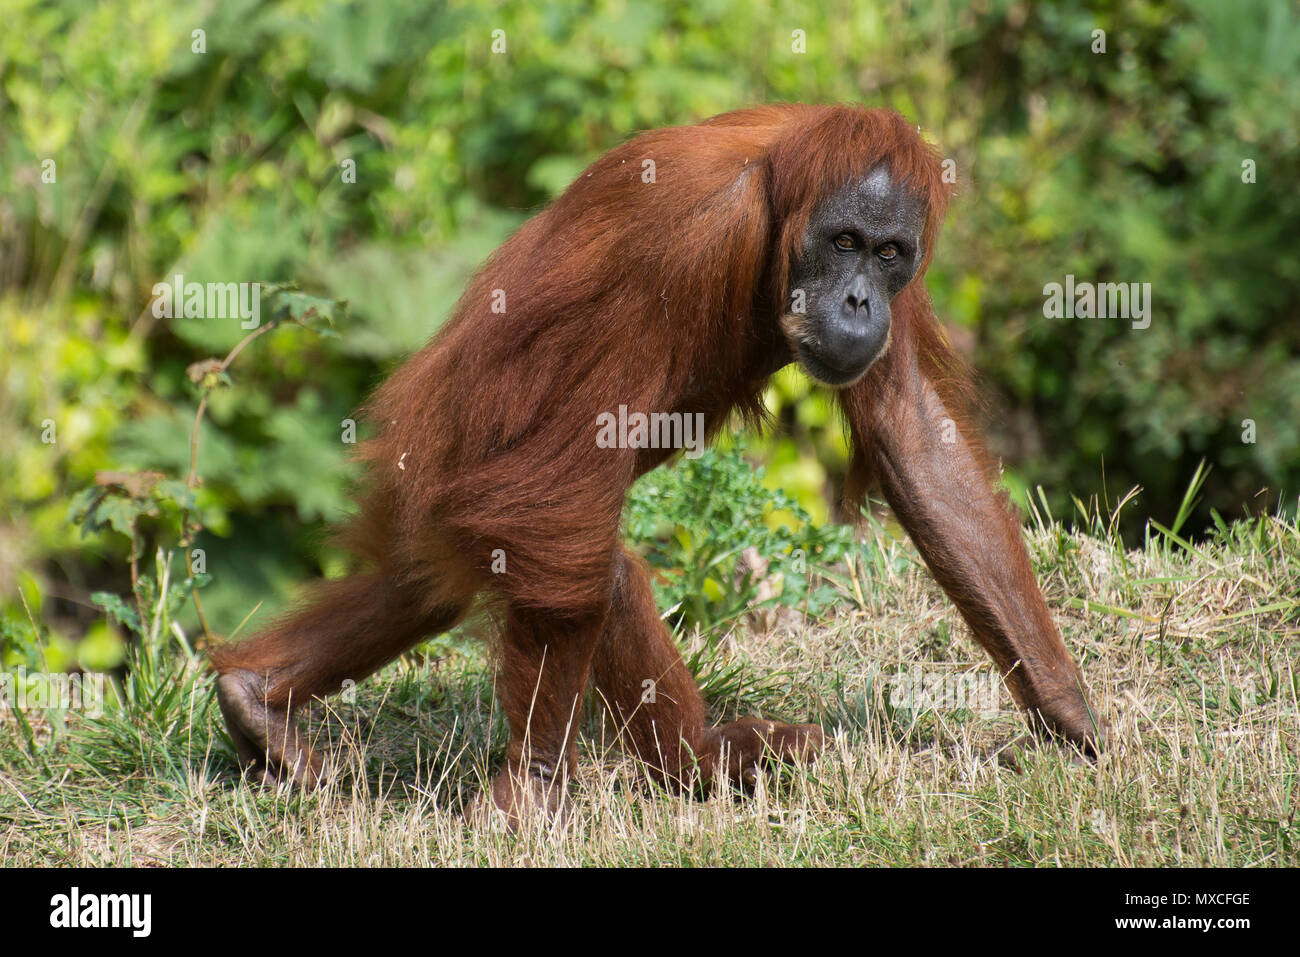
1190, 651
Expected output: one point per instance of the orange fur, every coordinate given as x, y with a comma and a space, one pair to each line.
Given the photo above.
661, 296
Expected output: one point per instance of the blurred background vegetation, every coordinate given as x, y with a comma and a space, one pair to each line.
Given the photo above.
225, 165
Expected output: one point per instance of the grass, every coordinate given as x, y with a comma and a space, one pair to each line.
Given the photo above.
1190, 651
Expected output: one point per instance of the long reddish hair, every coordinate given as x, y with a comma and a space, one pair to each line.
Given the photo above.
620, 292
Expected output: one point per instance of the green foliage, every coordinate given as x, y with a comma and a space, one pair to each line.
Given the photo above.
714, 534
20, 645
123, 501
148, 508
229, 165
1127, 166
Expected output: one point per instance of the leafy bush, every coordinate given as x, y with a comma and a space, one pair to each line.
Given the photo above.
227, 164
721, 541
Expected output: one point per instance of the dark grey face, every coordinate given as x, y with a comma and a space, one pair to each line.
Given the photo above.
861, 247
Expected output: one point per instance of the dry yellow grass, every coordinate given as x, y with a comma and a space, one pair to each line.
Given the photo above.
1194, 666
